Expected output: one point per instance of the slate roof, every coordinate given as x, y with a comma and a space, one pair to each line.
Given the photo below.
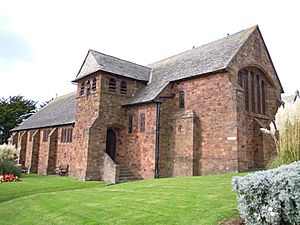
212, 57
113, 65
60, 111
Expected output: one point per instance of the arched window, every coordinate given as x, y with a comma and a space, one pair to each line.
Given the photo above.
263, 97
82, 88
88, 88
258, 94
253, 82
123, 88
252, 77
240, 79
181, 100
246, 88
94, 85
112, 85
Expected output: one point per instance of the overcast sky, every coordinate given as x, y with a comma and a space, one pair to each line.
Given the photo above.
43, 43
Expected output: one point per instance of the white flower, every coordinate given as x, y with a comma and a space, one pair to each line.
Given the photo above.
270, 209
272, 213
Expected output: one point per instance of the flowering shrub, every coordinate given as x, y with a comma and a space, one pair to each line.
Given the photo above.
270, 197
287, 126
8, 178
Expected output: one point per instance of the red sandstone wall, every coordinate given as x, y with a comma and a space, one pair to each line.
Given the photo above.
64, 149
137, 149
211, 99
250, 146
96, 113
43, 153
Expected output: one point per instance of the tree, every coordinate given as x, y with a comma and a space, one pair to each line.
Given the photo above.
13, 111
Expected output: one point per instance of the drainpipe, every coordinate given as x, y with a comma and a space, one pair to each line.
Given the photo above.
157, 138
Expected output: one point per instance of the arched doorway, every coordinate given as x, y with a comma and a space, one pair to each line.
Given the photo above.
111, 144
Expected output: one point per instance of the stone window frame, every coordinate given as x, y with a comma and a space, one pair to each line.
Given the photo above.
123, 87
181, 99
112, 85
130, 124
46, 134
82, 87
143, 122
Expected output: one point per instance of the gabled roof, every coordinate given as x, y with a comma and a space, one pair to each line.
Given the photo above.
60, 111
97, 61
209, 58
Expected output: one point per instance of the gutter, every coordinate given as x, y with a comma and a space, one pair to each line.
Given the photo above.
157, 138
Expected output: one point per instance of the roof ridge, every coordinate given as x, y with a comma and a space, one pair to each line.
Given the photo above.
118, 58
231, 35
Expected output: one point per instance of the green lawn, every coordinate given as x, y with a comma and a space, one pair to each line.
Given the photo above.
63, 200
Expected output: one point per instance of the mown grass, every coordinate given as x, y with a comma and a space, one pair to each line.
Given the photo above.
62, 200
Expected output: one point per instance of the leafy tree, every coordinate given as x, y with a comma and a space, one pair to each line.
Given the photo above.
13, 111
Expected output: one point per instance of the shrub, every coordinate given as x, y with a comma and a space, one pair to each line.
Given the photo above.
9, 167
270, 197
287, 126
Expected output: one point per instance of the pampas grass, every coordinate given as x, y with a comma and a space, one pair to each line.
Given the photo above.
286, 133
7, 152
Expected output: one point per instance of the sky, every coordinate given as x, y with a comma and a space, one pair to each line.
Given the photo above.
43, 43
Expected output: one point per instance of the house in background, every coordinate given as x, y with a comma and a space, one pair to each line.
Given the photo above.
291, 98
195, 113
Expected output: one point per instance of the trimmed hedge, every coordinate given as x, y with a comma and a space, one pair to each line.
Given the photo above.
270, 197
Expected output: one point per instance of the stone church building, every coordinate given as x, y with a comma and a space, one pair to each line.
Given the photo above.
195, 113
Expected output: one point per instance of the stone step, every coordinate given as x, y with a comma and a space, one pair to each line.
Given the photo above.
126, 174
127, 179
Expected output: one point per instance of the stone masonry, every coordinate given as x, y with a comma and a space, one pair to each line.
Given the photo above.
162, 120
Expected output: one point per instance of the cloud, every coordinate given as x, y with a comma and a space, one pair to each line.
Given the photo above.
13, 46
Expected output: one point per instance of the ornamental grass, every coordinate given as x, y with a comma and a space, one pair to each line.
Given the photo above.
286, 133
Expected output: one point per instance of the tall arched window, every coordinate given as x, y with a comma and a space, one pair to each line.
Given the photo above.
258, 94
253, 81
112, 85
246, 87
94, 85
263, 97
123, 88
240, 79
253, 103
82, 88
